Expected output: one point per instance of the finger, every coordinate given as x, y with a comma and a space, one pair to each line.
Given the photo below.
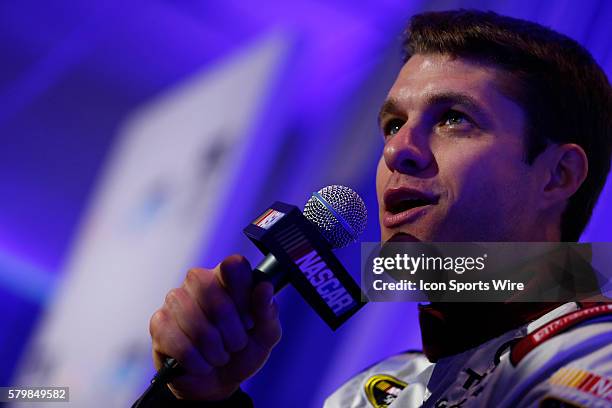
267, 331
220, 310
195, 325
169, 340
236, 276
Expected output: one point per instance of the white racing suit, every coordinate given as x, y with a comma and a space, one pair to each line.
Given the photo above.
562, 359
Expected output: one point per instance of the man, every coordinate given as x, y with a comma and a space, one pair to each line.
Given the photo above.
496, 129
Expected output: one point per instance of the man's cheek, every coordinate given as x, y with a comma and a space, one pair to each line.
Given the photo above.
470, 177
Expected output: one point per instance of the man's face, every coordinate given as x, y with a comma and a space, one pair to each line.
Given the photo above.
453, 164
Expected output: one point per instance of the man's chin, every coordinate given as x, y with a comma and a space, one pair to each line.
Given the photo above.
403, 237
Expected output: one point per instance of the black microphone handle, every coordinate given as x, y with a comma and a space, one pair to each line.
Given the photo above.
270, 270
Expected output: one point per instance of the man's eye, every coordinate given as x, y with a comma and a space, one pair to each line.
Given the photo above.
392, 127
454, 118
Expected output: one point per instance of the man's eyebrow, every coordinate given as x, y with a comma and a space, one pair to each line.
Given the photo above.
455, 98
392, 105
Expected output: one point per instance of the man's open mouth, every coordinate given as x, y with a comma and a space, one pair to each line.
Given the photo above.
403, 205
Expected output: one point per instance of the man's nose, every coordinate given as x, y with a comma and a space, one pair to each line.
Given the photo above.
408, 151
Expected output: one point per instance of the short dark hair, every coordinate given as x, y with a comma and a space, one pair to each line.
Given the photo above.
566, 96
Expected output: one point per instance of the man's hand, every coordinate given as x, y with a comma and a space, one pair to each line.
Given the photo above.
219, 328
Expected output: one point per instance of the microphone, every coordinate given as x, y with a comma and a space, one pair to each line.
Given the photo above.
298, 248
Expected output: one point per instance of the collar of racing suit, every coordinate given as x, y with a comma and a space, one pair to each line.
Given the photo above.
451, 328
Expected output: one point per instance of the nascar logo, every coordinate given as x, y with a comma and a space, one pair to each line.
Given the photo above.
269, 218
325, 282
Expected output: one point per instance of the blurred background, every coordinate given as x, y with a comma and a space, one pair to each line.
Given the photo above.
138, 138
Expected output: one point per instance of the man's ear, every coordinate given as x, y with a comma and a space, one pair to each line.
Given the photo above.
565, 167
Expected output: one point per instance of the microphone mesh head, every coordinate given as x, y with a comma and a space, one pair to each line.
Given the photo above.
339, 213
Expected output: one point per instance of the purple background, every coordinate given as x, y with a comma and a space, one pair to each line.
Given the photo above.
72, 71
